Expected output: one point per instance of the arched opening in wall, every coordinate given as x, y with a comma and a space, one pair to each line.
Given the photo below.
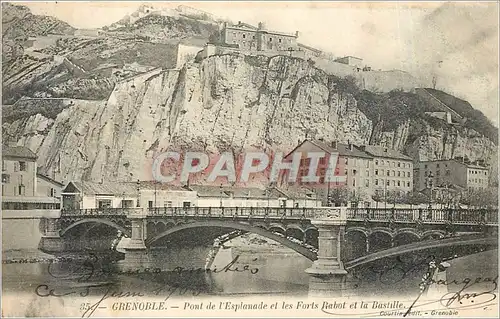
91, 236
378, 241
405, 238
312, 237
278, 230
355, 245
432, 236
295, 233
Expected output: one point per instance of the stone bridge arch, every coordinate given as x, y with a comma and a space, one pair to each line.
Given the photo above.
102, 221
480, 242
236, 226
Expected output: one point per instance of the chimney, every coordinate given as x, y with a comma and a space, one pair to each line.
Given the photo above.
296, 34
239, 22
351, 147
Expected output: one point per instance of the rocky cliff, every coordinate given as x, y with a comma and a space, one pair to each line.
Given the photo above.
226, 102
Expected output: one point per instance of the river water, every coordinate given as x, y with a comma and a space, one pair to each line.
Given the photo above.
262, 268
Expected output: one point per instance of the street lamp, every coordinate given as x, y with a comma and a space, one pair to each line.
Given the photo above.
138, 192
430, 185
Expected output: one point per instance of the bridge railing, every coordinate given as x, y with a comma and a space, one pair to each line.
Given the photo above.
280, 212
99, 212
458, 216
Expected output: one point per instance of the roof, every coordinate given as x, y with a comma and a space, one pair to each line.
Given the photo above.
245, 25
379, 151
297, 193
48, 179
105, 188
469, 165
341, 149
17, 151
152, 185
235, 192
309, 48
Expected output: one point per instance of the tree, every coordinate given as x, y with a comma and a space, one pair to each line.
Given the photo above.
338, 196
414, 198
480, 198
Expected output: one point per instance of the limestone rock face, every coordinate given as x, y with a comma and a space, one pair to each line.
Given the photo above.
226, 102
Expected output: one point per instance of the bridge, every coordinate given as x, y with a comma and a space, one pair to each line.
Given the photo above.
335, 238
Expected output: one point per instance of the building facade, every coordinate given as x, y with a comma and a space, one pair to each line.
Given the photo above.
251, 38
21, 197
351, 60
18, 171
392, 171
446, 173
353, 163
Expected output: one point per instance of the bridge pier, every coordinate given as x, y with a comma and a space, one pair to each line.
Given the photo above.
327, 272
51, 242
136, 253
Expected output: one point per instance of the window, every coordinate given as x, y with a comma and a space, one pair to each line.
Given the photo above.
104, 203
408, 174
367, 183
399, 183
408, 184
244, 36
16, 166
393, 183
270, 39
354, 172
399, 164
388, 172
21, 190
186, 204
5, 178
253, 37
3, 166
437, 165
388, 183
425, 166
353, 182
346, 161
367, 173
167, 203
22, 166
399, 174
279, 40
393, 173
376, 162
376, 182
376, 172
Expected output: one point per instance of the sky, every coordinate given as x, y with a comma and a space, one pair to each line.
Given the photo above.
455, 43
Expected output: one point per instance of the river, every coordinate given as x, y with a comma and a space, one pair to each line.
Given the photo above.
271, 269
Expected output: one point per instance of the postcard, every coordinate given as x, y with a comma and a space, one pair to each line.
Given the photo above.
250, 159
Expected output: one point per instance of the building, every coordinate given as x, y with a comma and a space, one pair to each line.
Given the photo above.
47, 186
353, 163
309, 52
18, 171
451, 173
20, 194
92, 195
252, 38
392, 171
164, 195
351, 60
